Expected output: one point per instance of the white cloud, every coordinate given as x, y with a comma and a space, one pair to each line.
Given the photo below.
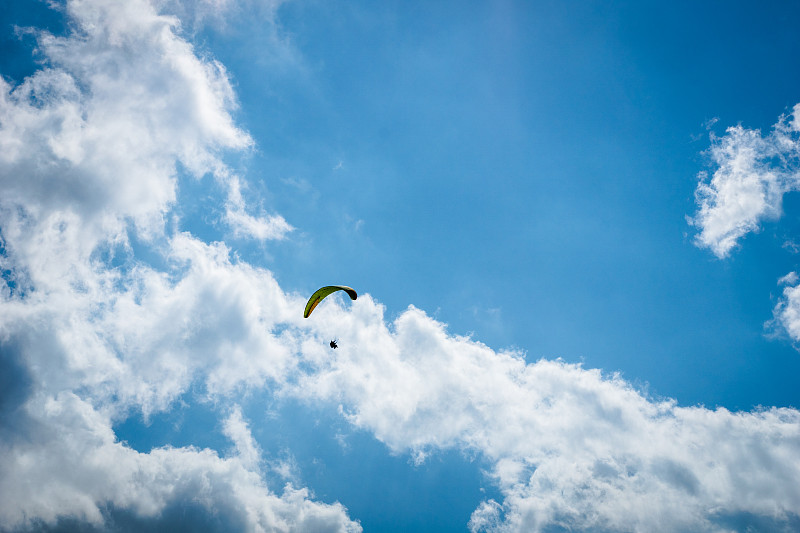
102, 129
568, 446
98, 347
88, 144
236, 429
246, 225
786, 314
752, 174
68, 463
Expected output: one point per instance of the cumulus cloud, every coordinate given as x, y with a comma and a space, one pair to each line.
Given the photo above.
90, 147
569, 447
68, 463
101, 130
786, 314
93, 355
753, 172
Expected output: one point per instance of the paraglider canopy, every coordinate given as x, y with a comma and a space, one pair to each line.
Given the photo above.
321, 293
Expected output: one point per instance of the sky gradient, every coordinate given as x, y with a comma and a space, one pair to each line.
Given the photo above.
573, 230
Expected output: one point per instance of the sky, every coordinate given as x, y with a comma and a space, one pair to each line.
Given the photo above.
574, 230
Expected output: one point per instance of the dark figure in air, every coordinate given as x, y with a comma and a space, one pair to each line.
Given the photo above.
334, 345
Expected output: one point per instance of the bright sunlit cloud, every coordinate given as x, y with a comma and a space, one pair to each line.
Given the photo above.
568, 446
753, 172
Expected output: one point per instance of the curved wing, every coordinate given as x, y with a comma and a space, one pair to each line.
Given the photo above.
321, 293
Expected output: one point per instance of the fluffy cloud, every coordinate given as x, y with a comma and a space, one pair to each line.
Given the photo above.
90, 147
68, 463
786, 315
570, 447
137, 341
753, 172
249, 226
100, 132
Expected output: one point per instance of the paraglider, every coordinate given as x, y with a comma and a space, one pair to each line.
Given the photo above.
321, 293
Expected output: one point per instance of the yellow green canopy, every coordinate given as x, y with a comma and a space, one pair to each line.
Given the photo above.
320, 294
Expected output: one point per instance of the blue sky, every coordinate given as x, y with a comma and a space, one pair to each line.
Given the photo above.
573, 231
524, 173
